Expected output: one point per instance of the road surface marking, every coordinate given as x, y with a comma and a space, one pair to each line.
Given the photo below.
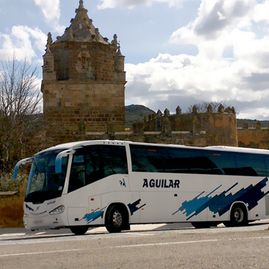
40, 252
167, 243
191, 242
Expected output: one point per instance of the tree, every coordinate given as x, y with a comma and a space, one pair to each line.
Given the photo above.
203, 107
19, 104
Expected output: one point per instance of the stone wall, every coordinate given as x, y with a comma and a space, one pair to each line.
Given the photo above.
79, 108
209, 128
256, 137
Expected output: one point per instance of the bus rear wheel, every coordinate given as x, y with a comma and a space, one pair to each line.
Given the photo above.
116, 219
238, 216
79, 230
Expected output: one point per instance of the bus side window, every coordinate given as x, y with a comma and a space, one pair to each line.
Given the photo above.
266, 161
171, 160
243, 164
114, 159
142, 161
192, 161
250, 164
94, 165
77, 175
224, 161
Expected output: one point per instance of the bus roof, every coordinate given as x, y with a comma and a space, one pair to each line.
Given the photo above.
239, 149
78, 144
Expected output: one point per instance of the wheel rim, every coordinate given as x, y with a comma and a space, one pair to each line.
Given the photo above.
238, 215
117, 219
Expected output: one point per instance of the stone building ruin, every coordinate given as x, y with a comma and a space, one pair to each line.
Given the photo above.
83, 82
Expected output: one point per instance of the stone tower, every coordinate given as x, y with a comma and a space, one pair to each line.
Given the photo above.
83, 82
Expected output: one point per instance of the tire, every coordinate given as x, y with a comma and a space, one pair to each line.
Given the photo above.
79, 230
238, 216
116, 219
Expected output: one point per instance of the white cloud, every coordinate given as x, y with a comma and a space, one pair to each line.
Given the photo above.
49, 8
169, 81
261, 12
215, 21
133, 3
231, 66
214, 16
261, 113
51, 12
23, 42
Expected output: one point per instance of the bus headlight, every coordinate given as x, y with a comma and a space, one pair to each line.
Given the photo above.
58, 210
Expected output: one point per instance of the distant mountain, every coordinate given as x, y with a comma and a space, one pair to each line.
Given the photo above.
136, 113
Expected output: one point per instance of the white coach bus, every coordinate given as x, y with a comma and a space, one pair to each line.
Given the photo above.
118, 183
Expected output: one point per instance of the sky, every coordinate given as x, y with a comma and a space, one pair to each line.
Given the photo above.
177, 52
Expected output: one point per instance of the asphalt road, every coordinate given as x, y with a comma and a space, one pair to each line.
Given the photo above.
146, 246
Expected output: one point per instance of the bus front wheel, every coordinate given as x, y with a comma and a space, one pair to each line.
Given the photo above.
116, 219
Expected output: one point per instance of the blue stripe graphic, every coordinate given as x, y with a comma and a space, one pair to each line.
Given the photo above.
90, 217
222, 202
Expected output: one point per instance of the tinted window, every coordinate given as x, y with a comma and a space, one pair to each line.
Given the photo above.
225, 161
250, 164
92, 163
171, 160
180, 160
266, 161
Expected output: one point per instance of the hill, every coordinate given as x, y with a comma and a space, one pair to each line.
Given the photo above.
136, 113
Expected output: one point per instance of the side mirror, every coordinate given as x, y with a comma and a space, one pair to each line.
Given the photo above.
59, 159
17, 167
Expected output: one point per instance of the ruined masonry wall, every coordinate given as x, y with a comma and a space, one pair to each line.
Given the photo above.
253, 137
219, 128
73, 109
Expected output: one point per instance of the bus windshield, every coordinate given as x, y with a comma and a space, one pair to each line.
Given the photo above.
43, 183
